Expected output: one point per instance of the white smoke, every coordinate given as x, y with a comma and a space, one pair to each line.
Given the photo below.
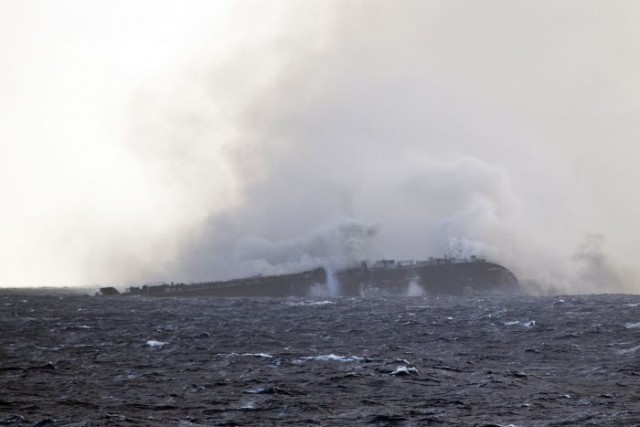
343, 245
441, 133
365, 129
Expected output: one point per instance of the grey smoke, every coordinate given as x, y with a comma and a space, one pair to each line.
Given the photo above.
371, 129
597, 271
489, 129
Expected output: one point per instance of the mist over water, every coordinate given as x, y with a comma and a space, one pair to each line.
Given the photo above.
364, 130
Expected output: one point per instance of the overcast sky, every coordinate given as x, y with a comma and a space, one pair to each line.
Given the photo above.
192, 140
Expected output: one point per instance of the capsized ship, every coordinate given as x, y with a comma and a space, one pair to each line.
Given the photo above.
435, 276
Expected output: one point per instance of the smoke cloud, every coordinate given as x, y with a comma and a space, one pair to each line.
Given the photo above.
498, 131
406, 129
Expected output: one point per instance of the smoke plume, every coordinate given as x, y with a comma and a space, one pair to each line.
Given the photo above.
485, 131
405, 129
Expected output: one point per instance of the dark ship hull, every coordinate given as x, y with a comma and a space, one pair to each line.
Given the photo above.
440, 276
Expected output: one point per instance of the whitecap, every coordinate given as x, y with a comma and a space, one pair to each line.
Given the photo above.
155, 344
528, 324
329, 358
309, 303
263, 355
404, 370
629, 350
632, 325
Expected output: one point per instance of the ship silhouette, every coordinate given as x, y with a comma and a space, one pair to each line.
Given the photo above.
435, 276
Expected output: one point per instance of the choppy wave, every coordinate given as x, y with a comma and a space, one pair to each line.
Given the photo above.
410, 361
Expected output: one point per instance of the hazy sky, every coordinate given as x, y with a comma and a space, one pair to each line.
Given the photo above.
190, 140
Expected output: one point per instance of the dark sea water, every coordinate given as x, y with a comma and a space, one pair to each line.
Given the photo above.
72, 360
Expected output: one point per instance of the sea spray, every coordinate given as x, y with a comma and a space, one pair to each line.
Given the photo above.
330, 288
333, 284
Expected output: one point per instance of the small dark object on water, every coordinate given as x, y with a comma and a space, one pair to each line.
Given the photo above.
109, 291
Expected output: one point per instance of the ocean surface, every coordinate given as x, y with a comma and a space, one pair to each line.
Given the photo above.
73, 360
